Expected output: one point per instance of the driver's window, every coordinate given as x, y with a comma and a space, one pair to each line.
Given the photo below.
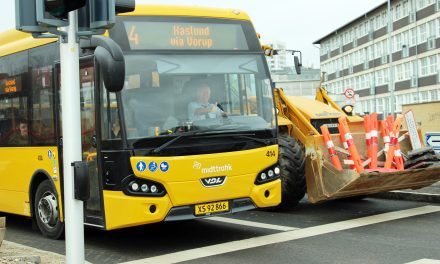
111, 126
241, 94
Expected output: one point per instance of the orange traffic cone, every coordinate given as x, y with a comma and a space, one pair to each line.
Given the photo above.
374, 141
331, 147
394, 142
398, 159
349, 160
385, 136
367, 135
345, 130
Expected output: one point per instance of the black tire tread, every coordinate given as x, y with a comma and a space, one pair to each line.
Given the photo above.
292, 164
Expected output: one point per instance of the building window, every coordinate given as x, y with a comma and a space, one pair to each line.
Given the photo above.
423, 34
413, 36
397, 12
434, 95
428, 65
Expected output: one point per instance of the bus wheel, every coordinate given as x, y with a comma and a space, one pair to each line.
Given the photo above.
293, 182
47, 213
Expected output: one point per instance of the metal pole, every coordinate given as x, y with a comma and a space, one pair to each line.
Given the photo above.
70, 99
390, 51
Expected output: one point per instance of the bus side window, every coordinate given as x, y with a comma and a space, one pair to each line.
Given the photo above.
42, 123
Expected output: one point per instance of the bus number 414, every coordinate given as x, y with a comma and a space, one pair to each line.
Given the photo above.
270, 153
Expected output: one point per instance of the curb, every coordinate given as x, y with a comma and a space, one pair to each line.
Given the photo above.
21, 259
409, 196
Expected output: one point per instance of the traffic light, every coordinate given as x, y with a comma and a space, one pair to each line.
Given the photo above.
53, 13
26, 17
60, 8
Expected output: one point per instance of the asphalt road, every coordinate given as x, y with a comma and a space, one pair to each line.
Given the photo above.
367, 231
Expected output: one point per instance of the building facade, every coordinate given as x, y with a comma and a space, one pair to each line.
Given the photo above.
278, 62
357, 55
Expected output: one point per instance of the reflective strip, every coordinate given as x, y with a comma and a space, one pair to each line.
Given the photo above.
386, 139
330, 144
373, 133
368, 136
348, 136
348, 162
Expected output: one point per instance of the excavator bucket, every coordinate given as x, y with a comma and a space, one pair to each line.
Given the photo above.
303, 119
325, 182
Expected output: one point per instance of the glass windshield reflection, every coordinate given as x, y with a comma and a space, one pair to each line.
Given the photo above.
169, 94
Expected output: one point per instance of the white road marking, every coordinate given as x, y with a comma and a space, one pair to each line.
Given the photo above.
284, 236
251, 223
425, 261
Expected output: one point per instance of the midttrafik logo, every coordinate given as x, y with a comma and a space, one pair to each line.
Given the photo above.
212, 169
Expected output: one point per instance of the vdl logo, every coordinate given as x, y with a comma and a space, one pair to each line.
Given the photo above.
213, 181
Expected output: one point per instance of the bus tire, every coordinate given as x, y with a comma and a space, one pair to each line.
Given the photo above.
293, 183
46, 211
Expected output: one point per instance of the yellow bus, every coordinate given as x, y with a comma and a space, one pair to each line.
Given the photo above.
192, 134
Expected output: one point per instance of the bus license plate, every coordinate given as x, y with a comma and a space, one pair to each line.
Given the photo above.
209, 208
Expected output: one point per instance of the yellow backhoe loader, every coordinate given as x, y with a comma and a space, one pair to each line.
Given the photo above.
306, 165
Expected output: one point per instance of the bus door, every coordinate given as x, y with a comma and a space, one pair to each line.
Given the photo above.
93, 212
89, 100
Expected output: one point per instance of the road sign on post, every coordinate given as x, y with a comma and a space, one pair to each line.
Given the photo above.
349, 93
433, 139
412, 130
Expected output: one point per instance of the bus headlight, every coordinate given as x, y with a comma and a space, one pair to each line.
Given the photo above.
144, 187
268, 174
134, 186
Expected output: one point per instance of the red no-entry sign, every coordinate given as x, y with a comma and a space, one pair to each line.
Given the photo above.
349, 93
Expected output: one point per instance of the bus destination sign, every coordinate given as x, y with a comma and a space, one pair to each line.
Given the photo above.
174, 35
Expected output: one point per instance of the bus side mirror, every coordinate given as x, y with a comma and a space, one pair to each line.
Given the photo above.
110, 60
297, 65
113, 70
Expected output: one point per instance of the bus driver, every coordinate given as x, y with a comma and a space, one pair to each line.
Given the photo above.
202, 108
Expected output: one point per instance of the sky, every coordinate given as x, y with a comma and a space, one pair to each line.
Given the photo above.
296, 23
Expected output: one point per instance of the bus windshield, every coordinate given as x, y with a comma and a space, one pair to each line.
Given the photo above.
168, 94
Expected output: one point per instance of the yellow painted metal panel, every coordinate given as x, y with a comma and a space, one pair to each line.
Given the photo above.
13, 41
17, 166
267, 195
125, 211
313, 109
183, 177
183, 185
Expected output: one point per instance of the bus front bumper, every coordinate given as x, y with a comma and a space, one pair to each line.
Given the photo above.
126, 211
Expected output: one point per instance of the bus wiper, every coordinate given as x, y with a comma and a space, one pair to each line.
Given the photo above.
166, 144
250, 136
259, 140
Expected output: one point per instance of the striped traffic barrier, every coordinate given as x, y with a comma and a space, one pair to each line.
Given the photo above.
331, 147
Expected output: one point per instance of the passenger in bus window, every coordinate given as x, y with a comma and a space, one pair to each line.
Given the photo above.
21, 136
202, 108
